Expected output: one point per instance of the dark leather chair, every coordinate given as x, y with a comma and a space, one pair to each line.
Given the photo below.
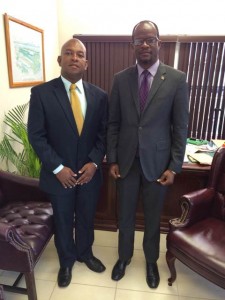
1, 293
197, 238
26, 226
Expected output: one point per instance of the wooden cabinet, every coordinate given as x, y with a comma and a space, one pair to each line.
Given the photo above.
191, 178
106, 215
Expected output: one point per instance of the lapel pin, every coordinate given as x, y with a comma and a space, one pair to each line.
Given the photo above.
162, 77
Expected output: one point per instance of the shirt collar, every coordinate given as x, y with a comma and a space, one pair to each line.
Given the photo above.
153, 69
67, 84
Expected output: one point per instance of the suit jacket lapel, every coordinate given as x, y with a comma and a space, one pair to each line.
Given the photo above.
62, 98
158, 80
89, 98
133, 83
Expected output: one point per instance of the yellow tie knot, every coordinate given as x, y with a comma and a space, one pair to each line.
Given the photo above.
73, 87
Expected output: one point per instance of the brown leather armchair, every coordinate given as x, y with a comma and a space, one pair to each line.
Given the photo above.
26, 226
197, 238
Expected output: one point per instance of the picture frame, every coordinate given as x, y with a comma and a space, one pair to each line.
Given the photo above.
25, 53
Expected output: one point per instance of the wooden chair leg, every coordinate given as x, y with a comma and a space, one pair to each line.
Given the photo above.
170, 258
31, 286
1, 293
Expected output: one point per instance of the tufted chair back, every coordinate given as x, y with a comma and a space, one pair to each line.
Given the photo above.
8, 195
26, 226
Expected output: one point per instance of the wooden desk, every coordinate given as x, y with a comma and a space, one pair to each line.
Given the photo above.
191, 178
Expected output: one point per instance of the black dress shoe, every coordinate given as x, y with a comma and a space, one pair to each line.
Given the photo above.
94, 264
64, 276
152, 275
119, 269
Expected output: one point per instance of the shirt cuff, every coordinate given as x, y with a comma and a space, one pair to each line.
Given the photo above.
58, 169
174, 173
96, 166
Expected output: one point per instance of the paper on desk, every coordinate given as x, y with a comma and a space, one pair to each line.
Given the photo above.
218, 143
190, 148
201, 158
202, 154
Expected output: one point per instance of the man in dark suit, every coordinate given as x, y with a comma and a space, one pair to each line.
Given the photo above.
71, 161
147, 128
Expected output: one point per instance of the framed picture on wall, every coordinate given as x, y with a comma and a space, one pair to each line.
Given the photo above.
25, 53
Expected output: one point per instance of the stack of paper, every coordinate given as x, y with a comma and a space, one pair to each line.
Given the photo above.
201, 158
202, 154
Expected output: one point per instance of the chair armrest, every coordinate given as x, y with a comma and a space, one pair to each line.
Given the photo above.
195, 206
4, 232
8, 234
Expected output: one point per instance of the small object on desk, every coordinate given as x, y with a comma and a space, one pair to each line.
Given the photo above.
197, 142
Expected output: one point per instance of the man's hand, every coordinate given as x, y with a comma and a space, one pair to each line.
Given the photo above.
67, 177
114, 171
167, 178
86, 173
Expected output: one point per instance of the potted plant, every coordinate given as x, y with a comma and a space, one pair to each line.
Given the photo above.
15, 148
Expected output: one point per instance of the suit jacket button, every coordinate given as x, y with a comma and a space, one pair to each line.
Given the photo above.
140, 128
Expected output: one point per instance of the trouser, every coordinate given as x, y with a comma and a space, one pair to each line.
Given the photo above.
152, 194
75, 209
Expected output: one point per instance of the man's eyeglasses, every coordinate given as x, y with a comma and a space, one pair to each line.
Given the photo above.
150, 41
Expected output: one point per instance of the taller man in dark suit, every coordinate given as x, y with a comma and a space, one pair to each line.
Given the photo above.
71, 152
148, 118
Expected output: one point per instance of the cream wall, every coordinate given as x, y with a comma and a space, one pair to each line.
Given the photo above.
41, 14
190, 17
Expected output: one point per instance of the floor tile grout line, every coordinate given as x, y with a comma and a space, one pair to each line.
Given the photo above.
151, 291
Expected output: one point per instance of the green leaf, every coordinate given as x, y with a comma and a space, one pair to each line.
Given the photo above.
24, 159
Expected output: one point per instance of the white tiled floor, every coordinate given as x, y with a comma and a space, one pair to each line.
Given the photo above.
87, 285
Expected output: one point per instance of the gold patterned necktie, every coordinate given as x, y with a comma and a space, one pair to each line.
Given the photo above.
76, 108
